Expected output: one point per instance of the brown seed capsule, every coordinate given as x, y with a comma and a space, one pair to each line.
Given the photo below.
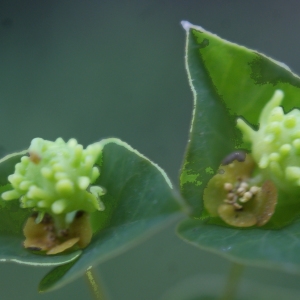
43, 236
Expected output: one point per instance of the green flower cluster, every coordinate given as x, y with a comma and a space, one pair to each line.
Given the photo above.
276, 145
56, 178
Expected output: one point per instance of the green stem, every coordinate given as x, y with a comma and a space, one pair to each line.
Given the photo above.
232, 282
94, 285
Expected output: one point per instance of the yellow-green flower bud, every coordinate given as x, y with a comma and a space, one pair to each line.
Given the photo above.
276, 144
56, 178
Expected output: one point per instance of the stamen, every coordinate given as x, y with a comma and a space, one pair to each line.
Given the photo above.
254, 190
246, 197
244, 185
228, 186
237, 206
240, 191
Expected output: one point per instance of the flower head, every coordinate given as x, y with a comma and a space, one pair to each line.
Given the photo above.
245, 194
55, 181
276, 144
239, 198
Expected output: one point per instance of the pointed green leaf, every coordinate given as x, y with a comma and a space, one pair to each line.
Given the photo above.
230, 81
244, 79
227, 81
276, 249
139, 199
211, 135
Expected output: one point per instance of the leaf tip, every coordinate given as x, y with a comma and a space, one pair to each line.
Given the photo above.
187, 26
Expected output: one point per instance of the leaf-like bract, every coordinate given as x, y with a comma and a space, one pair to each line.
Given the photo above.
139, 199
230, 81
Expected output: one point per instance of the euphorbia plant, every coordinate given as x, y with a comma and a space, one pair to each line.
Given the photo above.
70, 207
241, 169
54, 188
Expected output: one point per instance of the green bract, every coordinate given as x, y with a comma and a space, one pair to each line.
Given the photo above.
230, 81
140, 199
55, 178
276, 145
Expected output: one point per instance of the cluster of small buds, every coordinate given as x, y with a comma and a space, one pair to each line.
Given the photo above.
56, 178
239, 193
276, 145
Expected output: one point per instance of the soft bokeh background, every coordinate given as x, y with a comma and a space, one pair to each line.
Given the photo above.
100, 68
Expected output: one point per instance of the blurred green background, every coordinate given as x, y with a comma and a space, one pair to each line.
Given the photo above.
94, 69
